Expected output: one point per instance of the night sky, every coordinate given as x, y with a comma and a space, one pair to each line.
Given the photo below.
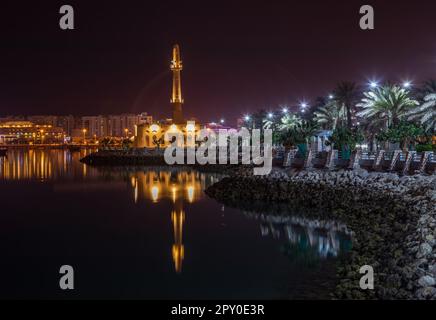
238, 56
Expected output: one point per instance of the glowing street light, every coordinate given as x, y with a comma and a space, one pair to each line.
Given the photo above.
285, 110
270, 115
331, 96
42, 136
222, 121
373, 84
84, 135
303, 105
407, 84
247, 118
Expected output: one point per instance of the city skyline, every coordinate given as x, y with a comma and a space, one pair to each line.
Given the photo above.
262, 56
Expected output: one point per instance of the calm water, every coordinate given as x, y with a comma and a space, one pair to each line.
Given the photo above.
148, 233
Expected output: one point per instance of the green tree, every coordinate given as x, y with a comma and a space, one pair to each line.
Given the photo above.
345, 139
299, 135
346, 95
331, 115
389, 103
289, 121
425, 114
428, 87
404, 133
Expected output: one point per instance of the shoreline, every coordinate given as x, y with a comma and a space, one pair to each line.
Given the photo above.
393, 220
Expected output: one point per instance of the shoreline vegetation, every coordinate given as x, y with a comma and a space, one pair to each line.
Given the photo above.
395, 161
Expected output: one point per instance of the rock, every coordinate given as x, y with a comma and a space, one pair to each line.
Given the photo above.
424, 250
426, 281
432, 270
392, 219
426, 293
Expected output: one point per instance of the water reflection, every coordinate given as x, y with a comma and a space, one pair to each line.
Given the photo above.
178, 187
42, 164
170, 184
308, 239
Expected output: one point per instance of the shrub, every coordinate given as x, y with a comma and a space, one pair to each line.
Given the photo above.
425, 147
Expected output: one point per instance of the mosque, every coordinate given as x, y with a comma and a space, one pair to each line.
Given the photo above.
152, 135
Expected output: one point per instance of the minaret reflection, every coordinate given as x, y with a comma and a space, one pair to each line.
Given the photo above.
177, 186
178, 249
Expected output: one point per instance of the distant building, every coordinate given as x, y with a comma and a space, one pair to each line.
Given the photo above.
26, 132
67, 123
42, 120
113, 125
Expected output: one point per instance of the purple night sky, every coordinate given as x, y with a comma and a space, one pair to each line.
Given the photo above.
238, 56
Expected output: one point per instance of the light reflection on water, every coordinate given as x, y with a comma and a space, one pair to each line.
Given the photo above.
42, 164
176, 195
323, 238
178, 187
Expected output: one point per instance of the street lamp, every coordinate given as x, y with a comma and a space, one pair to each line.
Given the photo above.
285, 110
373, 84
84, 135
222, 121
247, 118
126, 132
331, 96
407, 84
270, 115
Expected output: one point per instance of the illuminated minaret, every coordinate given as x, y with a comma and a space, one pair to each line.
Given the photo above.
176, 98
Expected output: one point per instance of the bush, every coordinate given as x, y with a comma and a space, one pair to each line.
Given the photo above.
425, 147
345, 139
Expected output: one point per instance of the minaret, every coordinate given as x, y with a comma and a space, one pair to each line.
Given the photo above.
176, 98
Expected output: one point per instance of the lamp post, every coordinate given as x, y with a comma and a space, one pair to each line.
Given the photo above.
42, 135
373, 84
84, 136
407, 84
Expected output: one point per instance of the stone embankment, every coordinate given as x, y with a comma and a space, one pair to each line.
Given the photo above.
393, 220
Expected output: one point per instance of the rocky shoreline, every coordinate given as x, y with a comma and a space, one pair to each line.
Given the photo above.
393, 220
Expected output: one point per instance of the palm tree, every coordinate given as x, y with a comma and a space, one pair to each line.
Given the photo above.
370, 129
346, 95
425, 114
289, 121
389, 103
330, 114
427, 88
299, 134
